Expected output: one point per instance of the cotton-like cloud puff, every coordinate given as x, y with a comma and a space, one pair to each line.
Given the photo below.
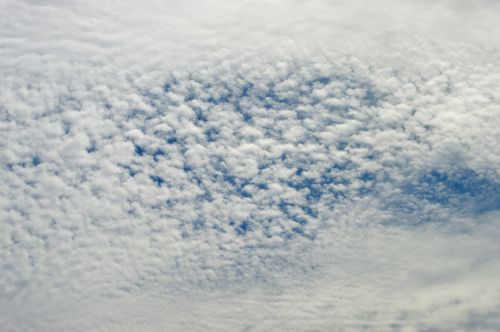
254, 166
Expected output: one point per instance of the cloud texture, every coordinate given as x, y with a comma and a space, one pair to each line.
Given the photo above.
253, 166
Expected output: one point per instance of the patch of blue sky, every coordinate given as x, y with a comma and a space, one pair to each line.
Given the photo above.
157, 153
167, 87
212, 134
139, 150
198, 224
157, 180
243, 228
463, 189
171, 139
36, 160
424, 199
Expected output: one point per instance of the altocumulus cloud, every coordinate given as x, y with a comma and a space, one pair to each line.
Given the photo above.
253, 165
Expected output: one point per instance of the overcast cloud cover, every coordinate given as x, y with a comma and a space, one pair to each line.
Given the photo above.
267, 165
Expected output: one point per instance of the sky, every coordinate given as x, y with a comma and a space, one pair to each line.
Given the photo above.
265, 165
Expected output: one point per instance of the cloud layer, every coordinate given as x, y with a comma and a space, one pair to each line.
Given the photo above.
266, 165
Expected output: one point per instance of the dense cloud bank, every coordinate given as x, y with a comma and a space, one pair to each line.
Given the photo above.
268, 165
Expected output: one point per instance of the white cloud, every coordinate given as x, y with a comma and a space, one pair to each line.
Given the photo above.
265, 165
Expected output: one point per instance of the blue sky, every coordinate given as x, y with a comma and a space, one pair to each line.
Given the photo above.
251, 166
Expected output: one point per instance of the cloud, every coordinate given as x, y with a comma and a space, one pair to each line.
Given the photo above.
268, 165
